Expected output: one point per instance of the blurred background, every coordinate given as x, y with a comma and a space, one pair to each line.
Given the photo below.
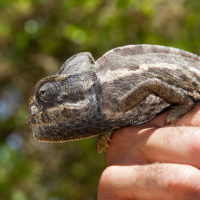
36, 37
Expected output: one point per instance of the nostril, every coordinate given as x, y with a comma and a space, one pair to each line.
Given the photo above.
34, 109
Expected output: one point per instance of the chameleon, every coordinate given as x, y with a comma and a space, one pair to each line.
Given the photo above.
127, 86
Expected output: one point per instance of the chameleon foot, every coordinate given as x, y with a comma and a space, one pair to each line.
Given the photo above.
178, 112
103, 142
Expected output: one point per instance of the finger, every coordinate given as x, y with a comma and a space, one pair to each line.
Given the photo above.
174, 145
152, 182
168, 144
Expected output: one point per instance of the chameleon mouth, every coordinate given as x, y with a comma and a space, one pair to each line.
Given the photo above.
45, 140
59, 141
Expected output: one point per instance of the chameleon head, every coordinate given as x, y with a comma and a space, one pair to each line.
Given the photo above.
61, 105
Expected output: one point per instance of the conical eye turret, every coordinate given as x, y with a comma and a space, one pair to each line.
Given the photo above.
48, 92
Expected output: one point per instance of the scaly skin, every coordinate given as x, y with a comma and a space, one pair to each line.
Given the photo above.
128, 85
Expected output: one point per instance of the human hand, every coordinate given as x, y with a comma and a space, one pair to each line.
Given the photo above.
151, 163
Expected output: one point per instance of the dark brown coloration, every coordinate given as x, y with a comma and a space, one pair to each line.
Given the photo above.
128, 85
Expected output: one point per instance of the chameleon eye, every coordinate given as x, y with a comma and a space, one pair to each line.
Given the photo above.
48, 92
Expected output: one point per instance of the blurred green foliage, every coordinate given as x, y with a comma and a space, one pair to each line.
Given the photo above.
36, 36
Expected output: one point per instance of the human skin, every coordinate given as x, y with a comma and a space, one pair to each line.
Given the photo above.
154, 162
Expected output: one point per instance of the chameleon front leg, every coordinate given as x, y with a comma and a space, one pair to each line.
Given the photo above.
169, 93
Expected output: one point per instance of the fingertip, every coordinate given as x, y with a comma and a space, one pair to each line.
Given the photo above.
108, 184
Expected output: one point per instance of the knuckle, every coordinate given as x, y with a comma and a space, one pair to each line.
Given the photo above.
186, 182
195, 143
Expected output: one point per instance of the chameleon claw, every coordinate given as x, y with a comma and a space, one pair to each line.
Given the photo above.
103, 142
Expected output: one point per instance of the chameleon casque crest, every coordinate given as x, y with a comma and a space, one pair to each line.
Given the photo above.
127, 86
